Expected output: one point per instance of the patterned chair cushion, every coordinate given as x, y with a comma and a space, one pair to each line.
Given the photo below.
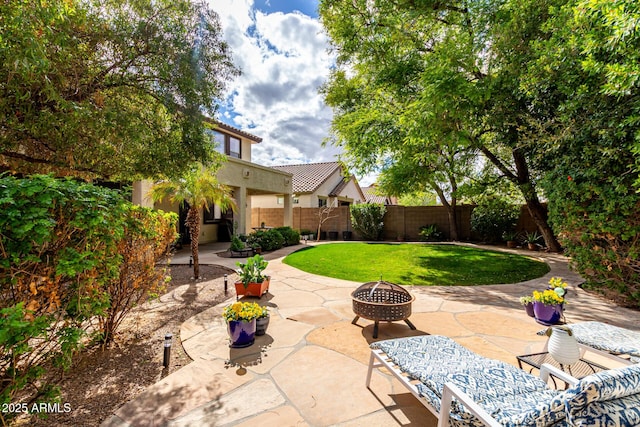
624, 411
512, 396
607, 398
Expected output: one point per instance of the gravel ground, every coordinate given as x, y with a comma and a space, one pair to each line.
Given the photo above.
102, 380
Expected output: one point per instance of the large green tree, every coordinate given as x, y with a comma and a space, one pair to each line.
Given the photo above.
114, 89
414, 76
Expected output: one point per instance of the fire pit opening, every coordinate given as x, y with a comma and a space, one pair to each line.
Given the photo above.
382, 301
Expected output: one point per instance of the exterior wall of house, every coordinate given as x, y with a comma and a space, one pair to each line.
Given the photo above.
350, 191
245, 150
248, 179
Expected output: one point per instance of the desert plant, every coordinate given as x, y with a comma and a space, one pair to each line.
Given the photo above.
367, 220
236, 243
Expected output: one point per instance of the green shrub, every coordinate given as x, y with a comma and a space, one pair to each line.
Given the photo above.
236, 243
367, 220
147, 240
291, 236
268, 240
597, 218
430, 233
493, 216
72, 255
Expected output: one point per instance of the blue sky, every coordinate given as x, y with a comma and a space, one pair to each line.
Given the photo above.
281, 49
307, 7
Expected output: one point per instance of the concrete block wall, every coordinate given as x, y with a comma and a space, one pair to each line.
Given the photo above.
399, 221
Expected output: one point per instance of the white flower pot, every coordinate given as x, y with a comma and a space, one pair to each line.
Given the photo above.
563, 347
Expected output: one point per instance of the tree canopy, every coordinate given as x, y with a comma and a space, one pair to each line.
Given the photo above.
415, 77
112, 89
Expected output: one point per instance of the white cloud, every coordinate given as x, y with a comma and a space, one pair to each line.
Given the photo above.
284, 60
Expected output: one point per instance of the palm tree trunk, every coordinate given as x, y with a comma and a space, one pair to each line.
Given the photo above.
193, 223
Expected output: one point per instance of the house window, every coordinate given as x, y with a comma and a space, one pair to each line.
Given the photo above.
280, 200
234, 147
226, 144
296, 200
211, 215
322, 202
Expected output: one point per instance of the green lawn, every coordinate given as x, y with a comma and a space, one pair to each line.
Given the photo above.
416, 264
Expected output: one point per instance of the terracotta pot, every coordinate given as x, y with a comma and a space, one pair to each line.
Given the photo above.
512, 244
253, 289
241, 333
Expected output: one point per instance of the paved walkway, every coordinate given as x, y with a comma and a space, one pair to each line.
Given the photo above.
310, 367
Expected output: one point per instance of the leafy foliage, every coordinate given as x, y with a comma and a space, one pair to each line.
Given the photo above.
112, 89
430, 233
147, 240
428, 91
268, 240
73, 258
492, 217
587, 76
251, 271
368, 220
291, 236
198, 188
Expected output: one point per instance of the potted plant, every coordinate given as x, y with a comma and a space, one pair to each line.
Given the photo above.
252, 282
511, 237
531, 239
527, 302
548, 305
262, 322
241, 322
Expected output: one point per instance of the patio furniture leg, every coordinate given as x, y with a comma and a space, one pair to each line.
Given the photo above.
411, 325
355, 320
375, 329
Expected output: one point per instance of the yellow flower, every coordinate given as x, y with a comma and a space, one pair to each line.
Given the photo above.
547, 297
557, 282
245, 311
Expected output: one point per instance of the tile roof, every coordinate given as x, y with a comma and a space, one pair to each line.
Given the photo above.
308, 177
229, 128
373, 197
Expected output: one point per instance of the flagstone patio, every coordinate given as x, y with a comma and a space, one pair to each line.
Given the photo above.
310, 367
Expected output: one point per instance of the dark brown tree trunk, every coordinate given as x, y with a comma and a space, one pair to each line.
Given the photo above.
193, 223
451, 211
522, 179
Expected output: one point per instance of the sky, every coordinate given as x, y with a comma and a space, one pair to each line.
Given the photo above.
282, 52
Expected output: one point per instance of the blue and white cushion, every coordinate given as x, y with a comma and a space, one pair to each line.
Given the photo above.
514, 397
607, 398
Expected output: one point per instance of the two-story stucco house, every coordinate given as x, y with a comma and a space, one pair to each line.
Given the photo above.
246, 179
315, 185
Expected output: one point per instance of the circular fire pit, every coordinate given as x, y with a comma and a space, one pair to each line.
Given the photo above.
382, 301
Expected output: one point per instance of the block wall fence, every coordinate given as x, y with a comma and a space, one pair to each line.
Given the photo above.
399, 221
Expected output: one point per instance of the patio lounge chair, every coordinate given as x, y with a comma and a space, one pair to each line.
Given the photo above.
462, 388
616, 343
